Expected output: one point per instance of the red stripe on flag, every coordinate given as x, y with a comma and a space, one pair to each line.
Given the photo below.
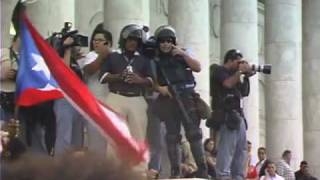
31, 97
127, 148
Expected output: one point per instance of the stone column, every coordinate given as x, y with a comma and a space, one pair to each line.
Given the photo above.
215, 34
284, 96
239, 25
191, 21
88, 16
49, 16
120, 13
311, 90
158, 14
6, 9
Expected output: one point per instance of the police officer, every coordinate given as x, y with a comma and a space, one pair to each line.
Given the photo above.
230, 84
175, 104
128, 74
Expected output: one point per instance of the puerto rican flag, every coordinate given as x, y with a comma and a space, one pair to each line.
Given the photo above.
35, 84
43, 74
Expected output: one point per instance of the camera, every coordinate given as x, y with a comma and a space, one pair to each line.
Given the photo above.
264, 68
149, 47
57, 38
56, 41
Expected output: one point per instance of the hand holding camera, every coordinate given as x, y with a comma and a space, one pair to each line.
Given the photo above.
133, 78
244, 67
130, 77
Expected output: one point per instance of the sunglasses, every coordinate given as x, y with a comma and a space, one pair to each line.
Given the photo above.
166, 40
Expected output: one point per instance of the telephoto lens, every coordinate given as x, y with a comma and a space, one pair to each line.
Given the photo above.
264, 68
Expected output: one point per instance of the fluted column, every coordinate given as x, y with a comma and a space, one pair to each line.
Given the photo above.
215, 34
6, 9
239, 25
119, 13
191, 21
49, 16
88, 15
311, 86
284, 94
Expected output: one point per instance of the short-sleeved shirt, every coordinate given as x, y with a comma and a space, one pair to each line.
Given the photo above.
6, 63
117, 62
218, 75
98, 89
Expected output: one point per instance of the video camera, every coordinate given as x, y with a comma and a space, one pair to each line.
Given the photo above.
56, 39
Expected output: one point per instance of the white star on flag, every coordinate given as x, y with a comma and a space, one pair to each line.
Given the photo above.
41, 65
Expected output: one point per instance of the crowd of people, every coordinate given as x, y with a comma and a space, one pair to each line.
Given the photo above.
156, 93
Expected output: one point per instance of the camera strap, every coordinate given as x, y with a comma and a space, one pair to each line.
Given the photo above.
129, 61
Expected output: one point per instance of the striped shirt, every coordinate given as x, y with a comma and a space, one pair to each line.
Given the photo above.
284, 170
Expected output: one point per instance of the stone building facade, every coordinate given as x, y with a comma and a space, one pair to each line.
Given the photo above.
283, 108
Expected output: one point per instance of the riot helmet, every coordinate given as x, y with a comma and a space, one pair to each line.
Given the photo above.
165, 31
132, 31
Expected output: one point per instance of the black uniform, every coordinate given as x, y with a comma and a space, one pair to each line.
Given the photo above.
174, 71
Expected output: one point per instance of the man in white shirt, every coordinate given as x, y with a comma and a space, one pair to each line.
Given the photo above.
100, 46
271, 172
283, 166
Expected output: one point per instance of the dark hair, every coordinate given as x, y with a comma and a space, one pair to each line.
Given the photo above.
232, 54
285, 153
264, 167
262, 148
248, 142
206, 142
100, 30
303, 163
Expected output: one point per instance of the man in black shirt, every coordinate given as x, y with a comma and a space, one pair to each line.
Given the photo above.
303, 173
175, 104
128, 74
229, 84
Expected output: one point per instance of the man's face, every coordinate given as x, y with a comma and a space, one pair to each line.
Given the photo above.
165, 45
249, 147
210, 146
305, 169
99, 42
288, 158
262, 154
271, 169
235, 63
131, 44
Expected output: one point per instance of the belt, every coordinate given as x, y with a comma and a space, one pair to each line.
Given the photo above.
184, 88
127, 93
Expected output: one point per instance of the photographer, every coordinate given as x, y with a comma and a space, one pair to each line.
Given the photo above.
69, 122
230, 84
176, 103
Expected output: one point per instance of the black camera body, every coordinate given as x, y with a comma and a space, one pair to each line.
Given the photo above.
149, 47
56, 39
